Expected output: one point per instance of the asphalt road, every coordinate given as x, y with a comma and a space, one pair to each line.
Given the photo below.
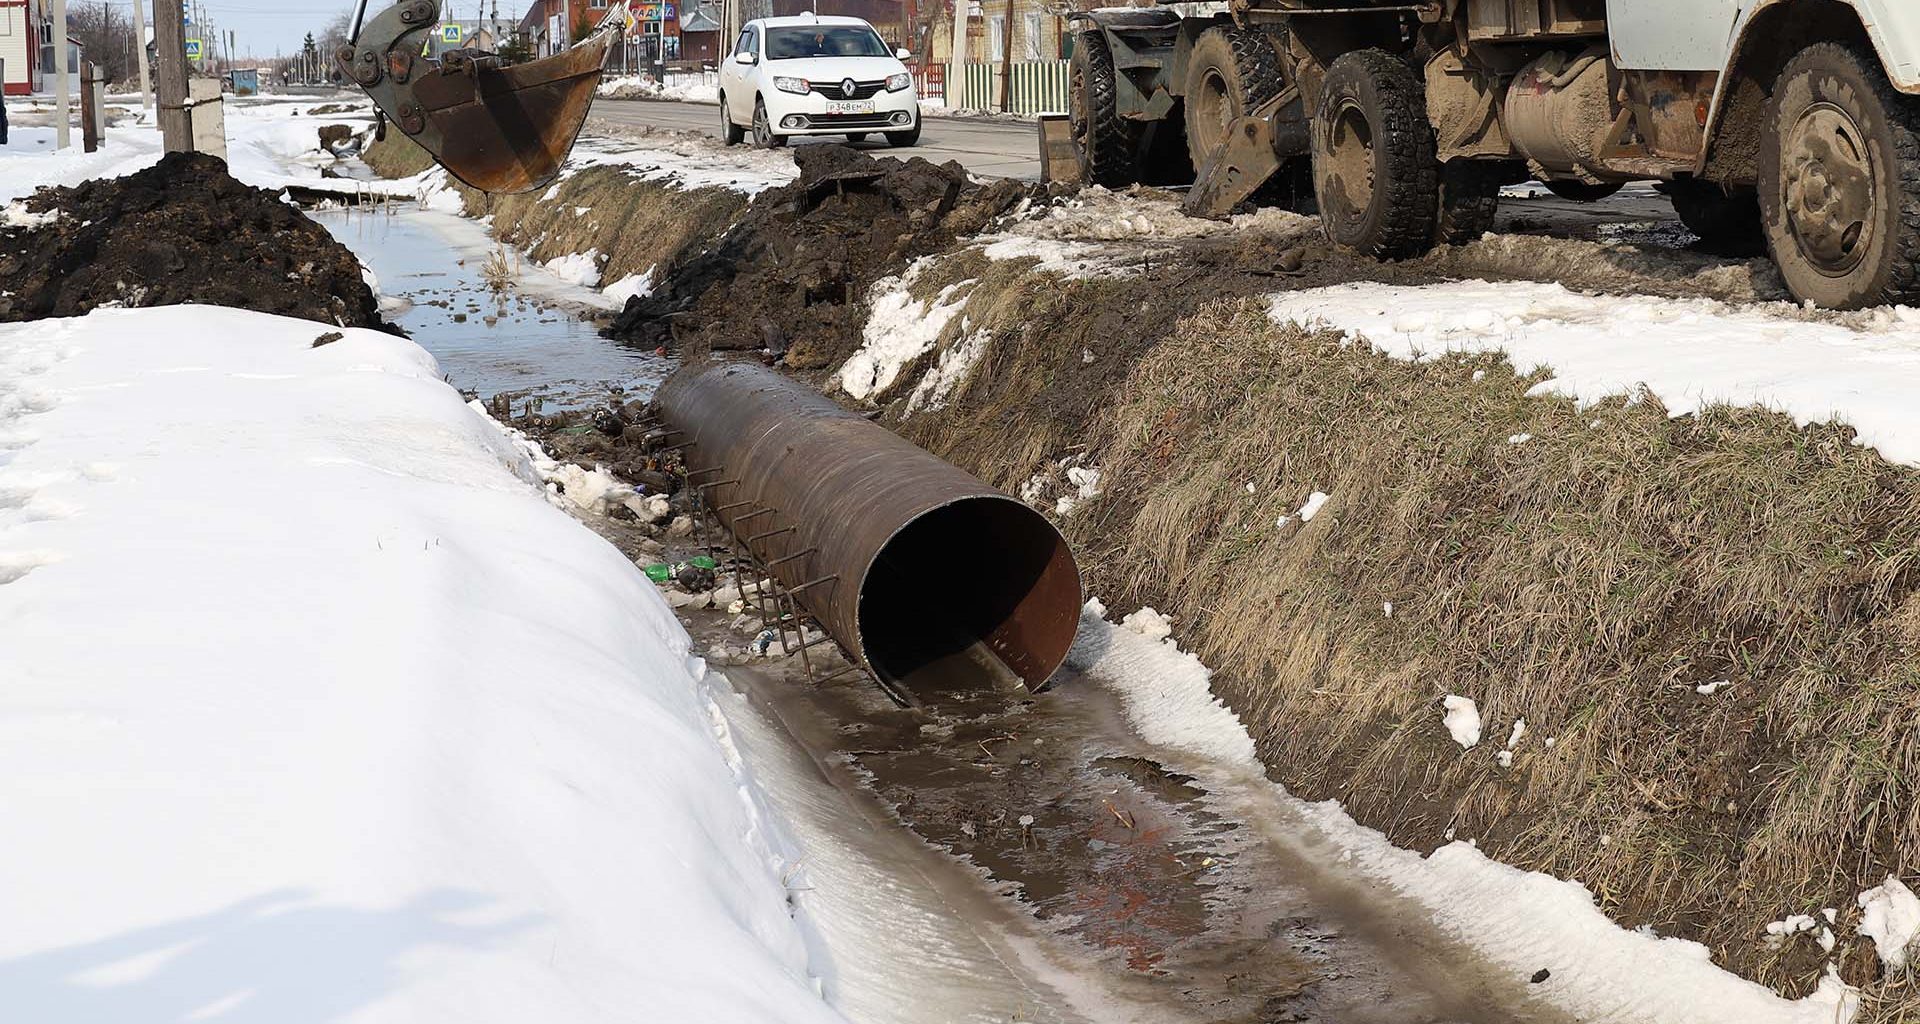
1007, 149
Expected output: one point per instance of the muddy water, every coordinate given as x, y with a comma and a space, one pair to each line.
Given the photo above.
1127, 891
534, 339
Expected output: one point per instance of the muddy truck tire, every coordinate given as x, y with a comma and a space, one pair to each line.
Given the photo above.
1105, 144
1373, 158
1468, 200
1839, 181
1231, 72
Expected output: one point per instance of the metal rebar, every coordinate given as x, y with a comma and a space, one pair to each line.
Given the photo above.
717, 509
770, 533
750, 515
813, 583
717, 483
789, 558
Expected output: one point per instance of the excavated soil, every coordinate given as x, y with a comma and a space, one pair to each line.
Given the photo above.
182, 231
797, 263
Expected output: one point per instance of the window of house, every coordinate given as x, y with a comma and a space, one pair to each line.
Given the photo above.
997, 38
1031, 35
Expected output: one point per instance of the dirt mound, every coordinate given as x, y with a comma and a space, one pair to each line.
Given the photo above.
181, 231
798, 264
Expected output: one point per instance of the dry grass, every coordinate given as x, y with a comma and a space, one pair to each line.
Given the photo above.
635, 224
1587, 580
501, 269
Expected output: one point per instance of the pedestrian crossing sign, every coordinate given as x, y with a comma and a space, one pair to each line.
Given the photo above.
193, 49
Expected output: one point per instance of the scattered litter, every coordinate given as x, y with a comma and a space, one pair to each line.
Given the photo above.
1386, 607
1709, 689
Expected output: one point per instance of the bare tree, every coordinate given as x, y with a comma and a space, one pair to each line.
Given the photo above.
106, 32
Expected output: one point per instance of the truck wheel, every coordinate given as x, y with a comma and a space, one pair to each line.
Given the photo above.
1840, 181
1230, 73
1726, 222
1373, 157
1582, 191
1469, 198
1104, 142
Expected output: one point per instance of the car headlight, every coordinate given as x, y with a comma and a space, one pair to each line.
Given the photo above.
895, 83
793, 85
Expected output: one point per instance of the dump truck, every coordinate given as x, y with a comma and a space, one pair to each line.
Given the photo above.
1791, 126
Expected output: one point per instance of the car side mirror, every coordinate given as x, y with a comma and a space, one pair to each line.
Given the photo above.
902, 54
745, 57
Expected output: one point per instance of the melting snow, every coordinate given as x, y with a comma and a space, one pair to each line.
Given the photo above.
899, 329
1863, 368
1890, 916
1462, 720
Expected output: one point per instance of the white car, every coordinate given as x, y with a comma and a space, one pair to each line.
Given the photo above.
810, 75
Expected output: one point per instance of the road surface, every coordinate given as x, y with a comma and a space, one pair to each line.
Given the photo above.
1006, 149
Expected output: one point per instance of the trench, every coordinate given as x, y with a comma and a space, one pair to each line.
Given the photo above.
998, 856
533, 339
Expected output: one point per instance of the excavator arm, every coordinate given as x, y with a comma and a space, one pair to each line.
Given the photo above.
498, 128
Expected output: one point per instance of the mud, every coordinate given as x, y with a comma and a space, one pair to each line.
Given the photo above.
796, 266
181, 231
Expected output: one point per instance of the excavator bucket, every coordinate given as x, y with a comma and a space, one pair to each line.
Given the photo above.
496, 128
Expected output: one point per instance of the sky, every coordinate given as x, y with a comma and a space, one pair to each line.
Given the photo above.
264, 27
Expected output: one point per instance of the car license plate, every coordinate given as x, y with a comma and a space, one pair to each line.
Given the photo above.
849, 106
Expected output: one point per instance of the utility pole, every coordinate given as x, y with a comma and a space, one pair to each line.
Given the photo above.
62, 133
956, 88
170, 49
140, 48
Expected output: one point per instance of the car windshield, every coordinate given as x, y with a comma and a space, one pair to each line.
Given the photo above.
824, 41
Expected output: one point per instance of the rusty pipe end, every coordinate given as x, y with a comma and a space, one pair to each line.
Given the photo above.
980, 578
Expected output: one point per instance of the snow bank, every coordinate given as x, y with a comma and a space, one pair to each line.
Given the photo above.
1690, 353
643, 87
316, 708
1518, 922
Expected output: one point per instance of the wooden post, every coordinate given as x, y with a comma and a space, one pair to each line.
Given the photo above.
89, 110
140, 48
1006, 61
170, 51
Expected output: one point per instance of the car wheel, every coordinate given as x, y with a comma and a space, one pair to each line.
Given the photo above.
856, 136
906, 138
763, 135
730, 133
1839, 182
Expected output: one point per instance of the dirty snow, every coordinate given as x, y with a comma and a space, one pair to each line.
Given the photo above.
1097, 214
1516, 921
315, 708
1085, 481
578, 268
1462, 719
16, 215
629, 286
1863, 369
899, 329
955, 364
1890, 916
644, 87
1073, 260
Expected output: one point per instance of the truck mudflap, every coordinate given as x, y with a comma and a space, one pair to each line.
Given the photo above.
1247, 159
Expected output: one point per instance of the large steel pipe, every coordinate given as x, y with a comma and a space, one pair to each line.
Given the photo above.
924, 573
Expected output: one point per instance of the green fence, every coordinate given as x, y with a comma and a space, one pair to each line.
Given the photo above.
1038, 87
